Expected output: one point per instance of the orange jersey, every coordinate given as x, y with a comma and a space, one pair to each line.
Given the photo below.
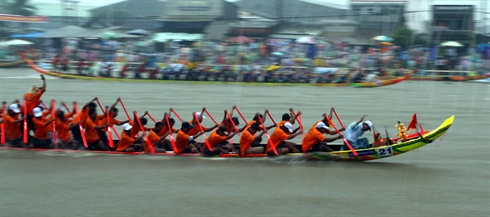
102, 120
312, 138
214, 139
13, 130
164, 131
277, 138
253, 122
196, 129
82, 116
229, 126
91, 134
41, 130
32, 100
181, 142
245, 142
125, 142
153, 137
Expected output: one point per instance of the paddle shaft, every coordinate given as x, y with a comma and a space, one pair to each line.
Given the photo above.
108, 121
3, 125
109, 129
151, 117
233, 123
148, 142
345, 141
272, 119
177, 115
207, 112
53, 114
241, 115
268, 136
299, 122
25, 121
174, 146
338, 118
124, 108
204, 135
82, 134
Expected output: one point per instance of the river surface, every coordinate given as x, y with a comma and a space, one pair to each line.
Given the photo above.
449, 177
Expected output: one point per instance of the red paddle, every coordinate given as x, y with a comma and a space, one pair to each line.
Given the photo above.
148, 143
106, 111
80, 125
204, 135
124, 108
25, 121
299, 122
338, 118
233, 123
53, 114
272, 119
109, 129
240, 113
178, 116
174, 147
346, 142
211, 117
268, 136
3, 124
151, 117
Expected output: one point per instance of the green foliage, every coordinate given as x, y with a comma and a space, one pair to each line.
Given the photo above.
405, 38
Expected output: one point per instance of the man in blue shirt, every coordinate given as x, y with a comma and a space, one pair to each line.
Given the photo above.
354, 131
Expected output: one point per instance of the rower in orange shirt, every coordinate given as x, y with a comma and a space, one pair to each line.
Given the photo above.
91, 131
155, 140
255, 120
129, 143
230, 127
33, 98
63, 127
13, 126
314, 139
284, 132
82, 116
167, 144
218, 140
135, 126
248, 139
102, 120
184, 142
41, 138
196, 129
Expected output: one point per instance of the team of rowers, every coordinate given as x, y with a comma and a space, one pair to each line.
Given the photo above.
53, 127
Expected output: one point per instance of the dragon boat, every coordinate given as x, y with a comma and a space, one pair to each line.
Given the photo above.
379, 83
399, 146
12, 64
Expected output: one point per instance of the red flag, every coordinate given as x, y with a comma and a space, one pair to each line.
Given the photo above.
413, 123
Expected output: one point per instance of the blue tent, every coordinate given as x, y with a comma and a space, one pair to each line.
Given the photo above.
28, 35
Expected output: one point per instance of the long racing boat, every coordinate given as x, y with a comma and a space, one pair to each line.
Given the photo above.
412, 142
372, 84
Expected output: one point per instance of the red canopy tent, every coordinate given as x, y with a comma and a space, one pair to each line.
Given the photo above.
241, 39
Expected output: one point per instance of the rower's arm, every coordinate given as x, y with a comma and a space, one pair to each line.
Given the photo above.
211, 128
258, 136
225, 116
231, 135
43, 88
332, 139
362, 118
88, 103
294, 134
114, 105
